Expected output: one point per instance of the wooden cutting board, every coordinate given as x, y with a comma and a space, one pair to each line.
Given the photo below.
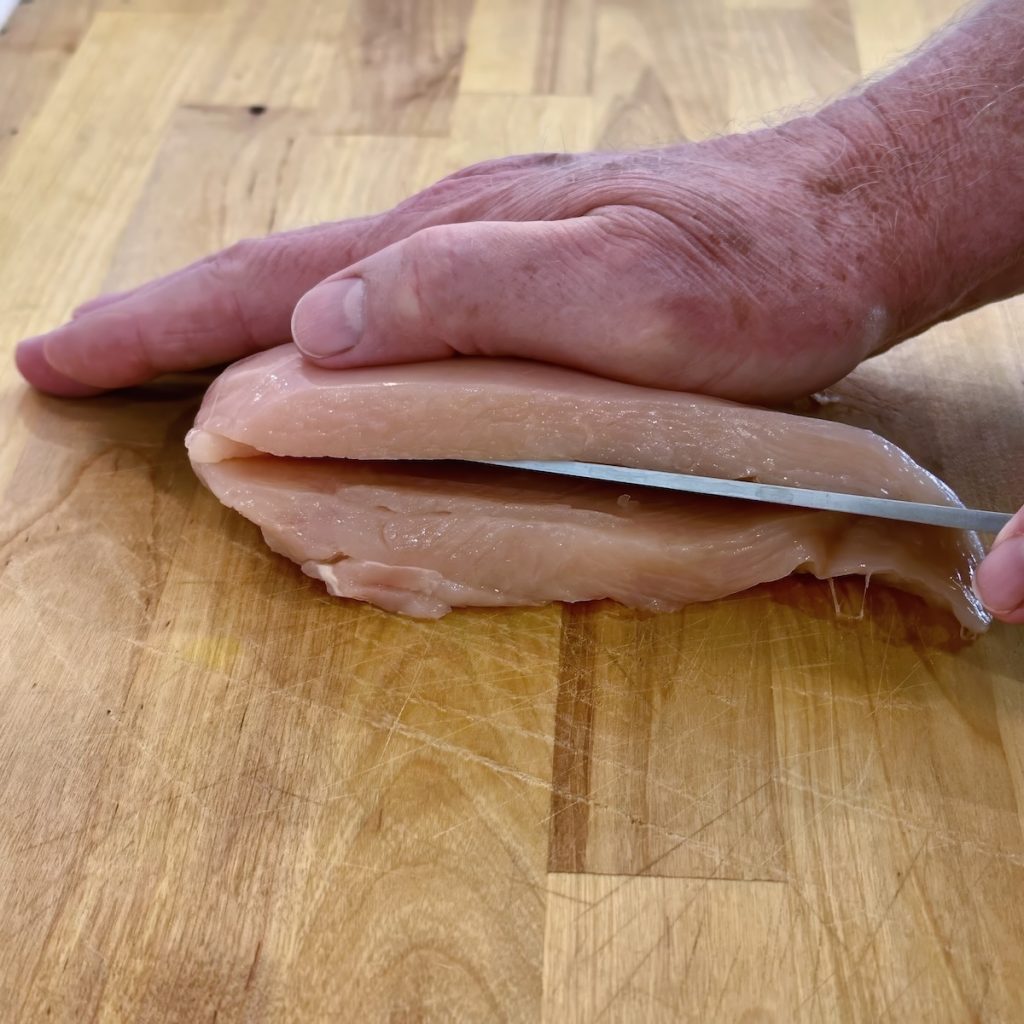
226, 796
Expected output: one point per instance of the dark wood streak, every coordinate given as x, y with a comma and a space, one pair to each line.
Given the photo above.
401, 76
565, 55
574, 734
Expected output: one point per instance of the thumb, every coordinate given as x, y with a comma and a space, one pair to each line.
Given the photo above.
999, 581
558, 291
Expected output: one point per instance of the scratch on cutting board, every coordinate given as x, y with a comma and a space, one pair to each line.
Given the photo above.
657, 942
40, 609
946, 837
884, 916
870, 704
684, 841
413, 684
425, 739
858, 958
785, 777
890, 1004
392, 727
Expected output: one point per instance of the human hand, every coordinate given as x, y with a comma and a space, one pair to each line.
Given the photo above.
743, 266
999, 581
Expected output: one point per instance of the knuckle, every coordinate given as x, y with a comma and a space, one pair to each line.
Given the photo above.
231, 273
423, 277
689, 287
237, 260
508, 188
433, 252
636, 238
516, 163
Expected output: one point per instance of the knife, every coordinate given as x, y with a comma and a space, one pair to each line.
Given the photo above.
831, 501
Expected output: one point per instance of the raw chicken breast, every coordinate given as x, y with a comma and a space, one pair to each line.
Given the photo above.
298, 451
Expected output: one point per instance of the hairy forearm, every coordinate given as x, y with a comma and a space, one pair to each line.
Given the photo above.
934, 153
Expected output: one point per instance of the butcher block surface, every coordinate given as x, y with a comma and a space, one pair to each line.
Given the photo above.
225, 796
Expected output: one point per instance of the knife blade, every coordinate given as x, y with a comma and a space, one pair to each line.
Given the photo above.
955, 516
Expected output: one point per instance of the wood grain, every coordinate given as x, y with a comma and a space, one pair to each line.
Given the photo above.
225, 796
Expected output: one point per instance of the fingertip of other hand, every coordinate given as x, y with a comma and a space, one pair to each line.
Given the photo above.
30, 359
999, 581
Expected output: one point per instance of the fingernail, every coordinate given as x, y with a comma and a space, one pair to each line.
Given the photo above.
30, 358
999, 581
329, 319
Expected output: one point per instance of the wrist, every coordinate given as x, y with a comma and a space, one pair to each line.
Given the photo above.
933, 160
893, 180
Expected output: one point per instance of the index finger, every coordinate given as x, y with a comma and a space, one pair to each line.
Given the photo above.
226, 306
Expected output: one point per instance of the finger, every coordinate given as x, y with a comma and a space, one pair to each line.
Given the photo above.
111, 297
217, 310
999, 581
100, 301
241, 300
31, 362
550, 290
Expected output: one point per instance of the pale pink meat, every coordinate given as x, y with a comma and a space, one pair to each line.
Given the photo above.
306, 454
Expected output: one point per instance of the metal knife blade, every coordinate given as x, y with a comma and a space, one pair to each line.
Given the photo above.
775, 494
